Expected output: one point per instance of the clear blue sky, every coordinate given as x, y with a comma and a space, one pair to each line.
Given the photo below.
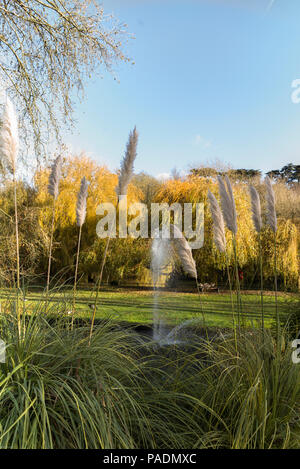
211, 80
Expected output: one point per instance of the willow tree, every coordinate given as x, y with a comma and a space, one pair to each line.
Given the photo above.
48, 48
209, 261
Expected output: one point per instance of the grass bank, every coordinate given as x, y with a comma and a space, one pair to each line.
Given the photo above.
59, 391
135, 306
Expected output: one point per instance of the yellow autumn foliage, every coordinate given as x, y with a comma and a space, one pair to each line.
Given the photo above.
211, 264
194, 190
102, 183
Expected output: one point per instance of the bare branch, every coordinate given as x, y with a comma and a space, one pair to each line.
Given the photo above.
48, 49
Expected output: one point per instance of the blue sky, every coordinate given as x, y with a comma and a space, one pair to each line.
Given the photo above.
211, 81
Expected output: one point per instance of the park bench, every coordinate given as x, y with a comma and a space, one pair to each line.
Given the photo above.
208, 287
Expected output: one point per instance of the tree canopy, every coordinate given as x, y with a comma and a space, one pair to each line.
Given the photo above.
48, 49
241, 175
289, 173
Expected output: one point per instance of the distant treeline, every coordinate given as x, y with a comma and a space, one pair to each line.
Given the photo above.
289, 174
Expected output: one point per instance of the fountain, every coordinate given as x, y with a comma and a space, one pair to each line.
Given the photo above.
162, 263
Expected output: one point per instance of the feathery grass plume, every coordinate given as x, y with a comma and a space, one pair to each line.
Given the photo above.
9, 137
257, 221
271, 211
80, 218
125, 176
233, 209
127, 163
53, 189
9, 148
183, 251
53, 186
81, 202
256, 209
228, 204
218, 223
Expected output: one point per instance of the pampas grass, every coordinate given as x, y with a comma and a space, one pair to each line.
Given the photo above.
218, 223
53, 189
220, 240
184, 252
257, 222
53, 186
80, 219
127, 163
271, 211
228, 204
125, 176
232, 202
9, 148
9, 137
81, 202
230, 217
272, 222
255, 209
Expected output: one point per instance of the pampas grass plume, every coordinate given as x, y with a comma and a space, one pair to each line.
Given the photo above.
228, 204
233, 209
127, 163
9, 136
184, 252
271, 211
218, 223
255, 209
53, 186
81, 202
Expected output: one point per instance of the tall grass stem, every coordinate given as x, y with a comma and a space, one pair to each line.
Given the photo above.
261, 284
238, 288
99, 280
232, 303
17, 253
76, 274
50, 249
276, 291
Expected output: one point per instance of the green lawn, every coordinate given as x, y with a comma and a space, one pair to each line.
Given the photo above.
137, 306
